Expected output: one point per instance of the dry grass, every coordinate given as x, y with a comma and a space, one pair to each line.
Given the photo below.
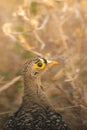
55, 29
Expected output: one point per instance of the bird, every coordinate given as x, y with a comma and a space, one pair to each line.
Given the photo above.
35, 111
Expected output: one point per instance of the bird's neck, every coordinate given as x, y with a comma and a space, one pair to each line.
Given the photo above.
33, 93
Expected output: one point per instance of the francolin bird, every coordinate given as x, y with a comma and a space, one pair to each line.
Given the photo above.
35, 113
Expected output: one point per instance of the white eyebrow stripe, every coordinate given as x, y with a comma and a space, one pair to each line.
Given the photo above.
41, 60
49, 61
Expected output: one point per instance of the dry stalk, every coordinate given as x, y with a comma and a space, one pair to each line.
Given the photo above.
66, 108
64, 93
9, 84
39, 40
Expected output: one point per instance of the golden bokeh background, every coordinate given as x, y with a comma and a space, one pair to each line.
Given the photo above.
55, 29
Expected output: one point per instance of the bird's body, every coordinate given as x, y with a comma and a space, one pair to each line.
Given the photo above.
35, 113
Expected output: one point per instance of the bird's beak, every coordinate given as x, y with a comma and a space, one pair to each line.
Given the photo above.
51, 63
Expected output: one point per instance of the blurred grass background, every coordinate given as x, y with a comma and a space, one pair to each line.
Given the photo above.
55, 29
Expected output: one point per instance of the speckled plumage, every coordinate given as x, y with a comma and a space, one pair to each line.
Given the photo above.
35, 113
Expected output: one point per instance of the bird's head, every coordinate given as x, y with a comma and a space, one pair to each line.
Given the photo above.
37, 66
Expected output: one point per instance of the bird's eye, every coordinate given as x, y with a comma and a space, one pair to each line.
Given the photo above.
40, 65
